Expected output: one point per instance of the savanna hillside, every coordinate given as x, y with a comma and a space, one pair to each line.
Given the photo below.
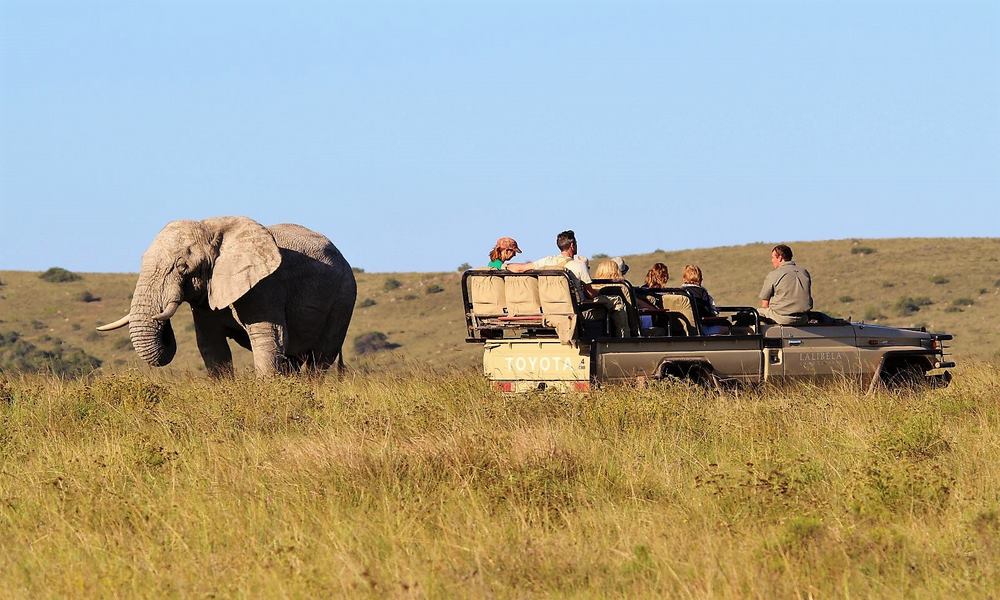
944, 284
430, 484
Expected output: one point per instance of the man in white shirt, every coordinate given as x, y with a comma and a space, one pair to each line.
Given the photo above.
577, 266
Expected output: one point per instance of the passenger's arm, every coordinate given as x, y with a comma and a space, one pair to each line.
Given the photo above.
765, 303
519, 267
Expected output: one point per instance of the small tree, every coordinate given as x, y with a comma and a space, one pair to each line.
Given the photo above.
367, 302
434, 289
358, 270
863, 250
59, 275
464, 267
86, 296
392, 284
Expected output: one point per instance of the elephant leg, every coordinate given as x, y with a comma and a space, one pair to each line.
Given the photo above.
210, 332
267, 341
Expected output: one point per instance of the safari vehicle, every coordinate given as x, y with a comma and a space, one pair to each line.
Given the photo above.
539, 331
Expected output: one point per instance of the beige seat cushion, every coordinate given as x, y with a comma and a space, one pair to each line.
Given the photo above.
554, 295
682, 305
522, 296
486, 292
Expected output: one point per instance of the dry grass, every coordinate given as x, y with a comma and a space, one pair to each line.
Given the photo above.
433, 485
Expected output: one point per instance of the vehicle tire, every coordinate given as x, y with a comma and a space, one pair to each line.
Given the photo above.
904, 375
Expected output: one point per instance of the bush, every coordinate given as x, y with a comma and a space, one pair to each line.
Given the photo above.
434, 289
907, 305
863, 250
600, 255
846, 299
963, 302
873, 314
86, 296
59, 275
464, 267
357, 270
410, 297
996, 283
17, 354
392, 284
372, 342
983, 291
38, 325
953, 309
888, 284
938, 279
367, 302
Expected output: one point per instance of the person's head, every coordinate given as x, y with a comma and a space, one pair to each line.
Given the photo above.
566, 242
608, 269
504, 249
692, 274
779, 254
658, 276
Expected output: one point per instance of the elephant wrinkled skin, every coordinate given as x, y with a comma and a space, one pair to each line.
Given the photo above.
284, 292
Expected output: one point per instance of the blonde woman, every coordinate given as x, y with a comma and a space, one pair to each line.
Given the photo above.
692, 285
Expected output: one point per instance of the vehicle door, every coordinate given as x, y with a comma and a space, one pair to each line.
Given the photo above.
820, 352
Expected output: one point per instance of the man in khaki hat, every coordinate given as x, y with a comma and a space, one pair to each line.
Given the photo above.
504, 250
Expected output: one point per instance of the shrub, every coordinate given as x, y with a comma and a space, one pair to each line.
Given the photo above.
873, 314
372, 342
938, 279
434, 289
963, 302
464, 267
38, 325
367, 302
953, 309
863, 250
392, 284
996, 283
907, 305
357, 270
600, 255
983, 291
17, 354
86, 296
59, 275
846, 299
410, 297
888, 284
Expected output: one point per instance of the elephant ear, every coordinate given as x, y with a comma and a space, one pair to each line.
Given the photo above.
247, 254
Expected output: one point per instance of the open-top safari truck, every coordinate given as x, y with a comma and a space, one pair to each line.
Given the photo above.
539, 331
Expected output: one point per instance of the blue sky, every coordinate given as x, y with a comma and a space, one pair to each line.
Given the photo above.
415, 133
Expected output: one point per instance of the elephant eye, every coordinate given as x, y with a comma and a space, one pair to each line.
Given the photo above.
182, 266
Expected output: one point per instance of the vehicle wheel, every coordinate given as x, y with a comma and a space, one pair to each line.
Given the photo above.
907, 375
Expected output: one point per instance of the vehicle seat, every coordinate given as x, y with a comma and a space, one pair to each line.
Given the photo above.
486, 293
522, 296
681, 315
557, 305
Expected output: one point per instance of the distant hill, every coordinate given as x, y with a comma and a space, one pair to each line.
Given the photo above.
945, 284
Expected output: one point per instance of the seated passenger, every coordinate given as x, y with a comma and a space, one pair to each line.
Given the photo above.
608, 269
692, 285
658, 276
580, 276
786, 297
504, 250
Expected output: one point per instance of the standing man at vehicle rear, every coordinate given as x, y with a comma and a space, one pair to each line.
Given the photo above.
787, 293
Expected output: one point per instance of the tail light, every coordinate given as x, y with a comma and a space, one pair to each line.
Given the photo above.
503, 386
581, 386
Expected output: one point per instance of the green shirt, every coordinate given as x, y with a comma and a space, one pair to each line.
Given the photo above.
496, 264
788, 289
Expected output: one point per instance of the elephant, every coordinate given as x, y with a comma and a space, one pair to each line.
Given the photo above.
284, 292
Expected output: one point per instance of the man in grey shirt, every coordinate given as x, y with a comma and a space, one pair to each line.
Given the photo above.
787, 293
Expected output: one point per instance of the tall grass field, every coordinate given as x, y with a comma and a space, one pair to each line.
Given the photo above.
430, 484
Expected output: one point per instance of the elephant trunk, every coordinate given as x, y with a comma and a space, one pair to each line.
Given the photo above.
152, 339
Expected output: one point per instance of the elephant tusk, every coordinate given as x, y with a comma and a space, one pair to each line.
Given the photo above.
168, 311
122, 322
